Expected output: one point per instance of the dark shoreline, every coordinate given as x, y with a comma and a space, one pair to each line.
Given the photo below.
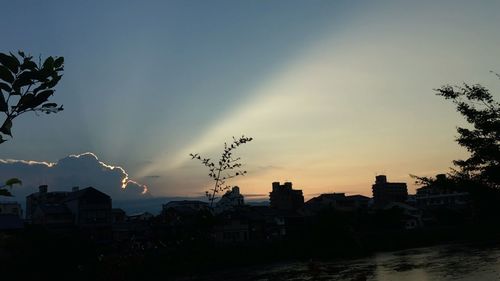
248, 272
46, 254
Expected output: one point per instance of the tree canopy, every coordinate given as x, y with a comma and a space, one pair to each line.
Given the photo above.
482, 138
27, 86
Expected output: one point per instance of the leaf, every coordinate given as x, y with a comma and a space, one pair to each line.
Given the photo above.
58, 62
13, 181
41, 98
21, 53
15, 59
25, 78
3, 104
50, 108
39, 88
5, 192
50, 105
55, 79
10, 62
5, 74
25, 102
5, 87
5, 129
43, 74
48, 63
28, 64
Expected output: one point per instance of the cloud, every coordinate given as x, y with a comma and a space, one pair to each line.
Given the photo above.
81, 170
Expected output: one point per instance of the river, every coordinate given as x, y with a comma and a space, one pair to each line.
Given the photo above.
449, 262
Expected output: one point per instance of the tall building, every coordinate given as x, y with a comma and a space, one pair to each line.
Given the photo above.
385, 192
284, 197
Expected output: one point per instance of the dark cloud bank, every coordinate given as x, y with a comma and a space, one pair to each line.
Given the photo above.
81, 170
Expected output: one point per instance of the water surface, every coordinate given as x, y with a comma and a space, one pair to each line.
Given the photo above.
450, 262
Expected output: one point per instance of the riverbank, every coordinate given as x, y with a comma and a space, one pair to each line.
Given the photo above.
47, 254
457, 261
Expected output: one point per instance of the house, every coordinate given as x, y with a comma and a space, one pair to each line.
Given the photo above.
385, 192
185, 205
230, 200
43, 197
249, 223
284, 197
90, 207
184, 212
338, 201
232, 229
91, 211
88, 210
256, 223
10, 223
441, 194
412, 217
11, 208
443, 203
11, 216
118, 215
54, 216
142, 216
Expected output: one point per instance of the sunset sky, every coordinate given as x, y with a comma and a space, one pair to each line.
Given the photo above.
333, 92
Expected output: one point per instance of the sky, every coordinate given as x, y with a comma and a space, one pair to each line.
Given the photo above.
333, 92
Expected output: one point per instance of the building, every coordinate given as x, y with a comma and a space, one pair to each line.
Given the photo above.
232, 229
193, 205
385, 192
338, 201
411, 217
90, 207
87, 210
43, 197
118, 215
255, 223
11, 216
53, 216
142, 216
231, 200
441, 194
11, 208
284, 197
184, 212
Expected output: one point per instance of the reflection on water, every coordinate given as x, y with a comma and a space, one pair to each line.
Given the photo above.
451, 262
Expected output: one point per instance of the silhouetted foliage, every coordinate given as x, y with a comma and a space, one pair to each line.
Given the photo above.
9, 183
446, 183
27, 86
480, 109
226, 168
